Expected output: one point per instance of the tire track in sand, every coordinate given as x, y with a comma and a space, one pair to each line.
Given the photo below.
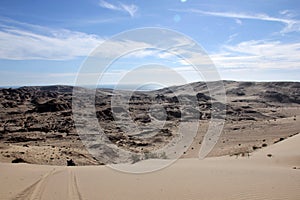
74, 193
35, 191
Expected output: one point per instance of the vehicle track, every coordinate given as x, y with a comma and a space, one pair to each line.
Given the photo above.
74, 193
35, 191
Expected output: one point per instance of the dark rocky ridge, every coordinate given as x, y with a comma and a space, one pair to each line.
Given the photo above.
34, 116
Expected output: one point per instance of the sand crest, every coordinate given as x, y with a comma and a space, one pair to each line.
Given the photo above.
270, 173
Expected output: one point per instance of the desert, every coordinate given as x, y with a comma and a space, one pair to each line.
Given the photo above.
256, 156
149, 100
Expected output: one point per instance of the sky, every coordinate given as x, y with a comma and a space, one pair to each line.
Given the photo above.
47, 42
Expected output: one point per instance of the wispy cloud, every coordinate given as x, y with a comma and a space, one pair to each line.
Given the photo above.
290, 24
231, 38
130, 9
20, 41
107, 5
253, 54
288, 13
258, 55
238, 21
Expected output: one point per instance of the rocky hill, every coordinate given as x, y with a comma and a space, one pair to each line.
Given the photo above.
37, 126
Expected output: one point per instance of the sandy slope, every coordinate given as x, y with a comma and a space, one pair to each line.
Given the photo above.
256, 177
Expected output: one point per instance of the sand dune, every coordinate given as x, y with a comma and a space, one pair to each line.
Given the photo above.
270, 173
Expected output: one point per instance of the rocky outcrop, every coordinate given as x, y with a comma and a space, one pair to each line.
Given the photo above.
35, 115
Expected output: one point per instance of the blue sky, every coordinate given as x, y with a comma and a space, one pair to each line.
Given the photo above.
46, 42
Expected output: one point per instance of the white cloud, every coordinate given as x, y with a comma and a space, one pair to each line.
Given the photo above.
284, 12
107, 5
231, 38
140, 53
238, 21
288, 13
130, 9
36, 42
143, 53
290, 24
21, 41
258, 55
165, 55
